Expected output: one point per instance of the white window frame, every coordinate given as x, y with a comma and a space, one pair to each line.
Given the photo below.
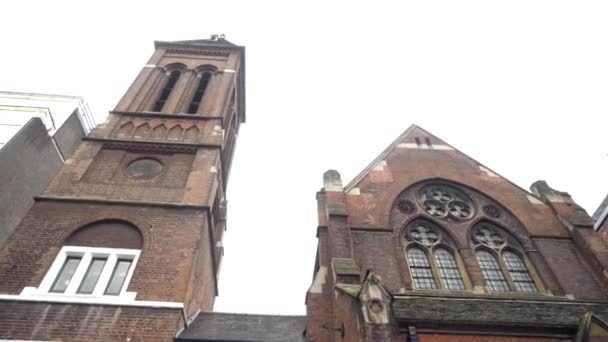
87, 254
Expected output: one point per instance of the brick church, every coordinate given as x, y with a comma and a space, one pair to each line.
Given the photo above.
425, 244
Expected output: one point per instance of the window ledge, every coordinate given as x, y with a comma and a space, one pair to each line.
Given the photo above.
29, 294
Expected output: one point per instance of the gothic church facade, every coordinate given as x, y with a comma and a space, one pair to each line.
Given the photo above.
425, 244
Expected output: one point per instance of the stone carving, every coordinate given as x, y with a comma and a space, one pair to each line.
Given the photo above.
446, 202
175, 133
139, 129
159, 132
425, 234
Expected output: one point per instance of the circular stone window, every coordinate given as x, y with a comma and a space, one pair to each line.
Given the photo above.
446, 202
145, 168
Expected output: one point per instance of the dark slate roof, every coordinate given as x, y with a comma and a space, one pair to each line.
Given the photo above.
216, 326
496, 312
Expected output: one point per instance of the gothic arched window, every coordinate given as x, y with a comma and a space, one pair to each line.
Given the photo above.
431, 259
167, 89
205, 77
422, 274
501, 263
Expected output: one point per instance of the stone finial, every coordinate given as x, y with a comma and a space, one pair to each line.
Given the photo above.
332, 181
567, 210
541, 189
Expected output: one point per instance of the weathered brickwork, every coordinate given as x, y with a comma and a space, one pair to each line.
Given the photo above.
572, 272
161, 129
562, 255
158, 276
151, 178
73, 322
98, 172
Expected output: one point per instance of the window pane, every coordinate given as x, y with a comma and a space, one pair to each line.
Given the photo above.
66, 273
90, 279
421, 269
491, 272
118, 277
519, 272
450, 275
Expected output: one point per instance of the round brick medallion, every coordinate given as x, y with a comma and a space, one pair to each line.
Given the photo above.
145, 168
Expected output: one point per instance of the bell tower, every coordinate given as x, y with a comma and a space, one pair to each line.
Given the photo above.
131, 227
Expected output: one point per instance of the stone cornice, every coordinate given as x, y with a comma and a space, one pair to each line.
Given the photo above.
93, 200
155, 146
169, 115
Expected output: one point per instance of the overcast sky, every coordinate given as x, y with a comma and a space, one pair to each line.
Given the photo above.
521, 86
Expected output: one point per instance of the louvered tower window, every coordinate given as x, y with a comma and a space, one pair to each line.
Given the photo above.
199, 92
164, 95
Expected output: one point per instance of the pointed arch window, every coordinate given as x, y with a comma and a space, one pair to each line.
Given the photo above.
502, 264
432, 262
205, 78
448, 269
421, 269
167, 89
519, 272
492, 272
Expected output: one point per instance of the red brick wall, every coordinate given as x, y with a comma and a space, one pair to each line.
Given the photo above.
370, 206
75, 322
170, 239
110, 234
375, 251
99, 173
572, 272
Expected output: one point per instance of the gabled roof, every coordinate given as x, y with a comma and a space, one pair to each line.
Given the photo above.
216, 326
408, 133
418, 136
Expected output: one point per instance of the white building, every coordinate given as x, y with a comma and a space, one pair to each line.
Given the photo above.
38, 132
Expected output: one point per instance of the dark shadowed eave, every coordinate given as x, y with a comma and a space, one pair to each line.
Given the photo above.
217, 326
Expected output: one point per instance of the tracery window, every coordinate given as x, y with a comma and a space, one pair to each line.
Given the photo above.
431, 260
502, 265
446, 202
205, 77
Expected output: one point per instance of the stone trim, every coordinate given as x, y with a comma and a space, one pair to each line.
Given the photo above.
118, 202
91, 301
150, 146
169, 115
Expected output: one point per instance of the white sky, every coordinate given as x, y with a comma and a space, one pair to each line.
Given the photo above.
518, 85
